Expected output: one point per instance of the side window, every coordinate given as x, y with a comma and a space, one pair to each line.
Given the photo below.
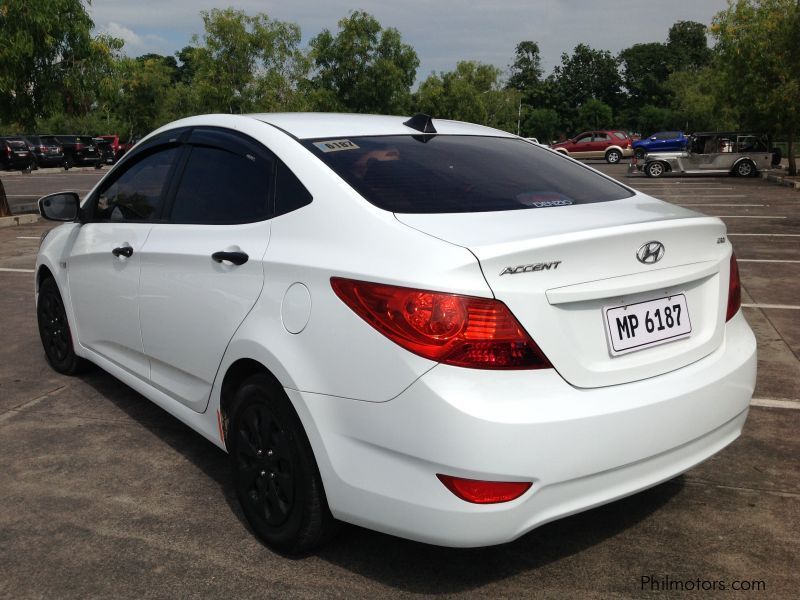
602, 137
584, 139
138, 193
620, 135
221, 187
290, 194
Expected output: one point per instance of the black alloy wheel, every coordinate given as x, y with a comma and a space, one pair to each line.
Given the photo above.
54, 331
275, 475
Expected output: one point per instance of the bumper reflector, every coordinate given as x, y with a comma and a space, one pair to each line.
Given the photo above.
484, 492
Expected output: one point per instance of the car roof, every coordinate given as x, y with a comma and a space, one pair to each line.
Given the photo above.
333, 125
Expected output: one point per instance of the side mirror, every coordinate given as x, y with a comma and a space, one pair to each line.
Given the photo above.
653, 139
63, 206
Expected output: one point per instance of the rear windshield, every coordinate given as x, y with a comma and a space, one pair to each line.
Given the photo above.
453, 174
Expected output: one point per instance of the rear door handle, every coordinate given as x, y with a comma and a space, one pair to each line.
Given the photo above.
125, 251
237, 258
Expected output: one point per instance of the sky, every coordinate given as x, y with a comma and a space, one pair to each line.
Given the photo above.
441, 31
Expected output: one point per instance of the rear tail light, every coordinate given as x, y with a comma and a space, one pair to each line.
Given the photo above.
464, 331
79, 146
734, 290
484, 492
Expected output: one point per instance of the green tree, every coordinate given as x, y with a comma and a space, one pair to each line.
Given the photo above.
144, 85
594, 114
526, 71
47, 55
363, 68
645, 70
697, 101
541, 123
758, 45
584, 75
688, 46
243, 63
654, 118
463, 94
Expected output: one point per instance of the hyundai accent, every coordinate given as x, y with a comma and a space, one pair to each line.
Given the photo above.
428, 328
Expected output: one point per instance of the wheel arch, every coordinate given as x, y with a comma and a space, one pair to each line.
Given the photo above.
742, 159
42, 273
236, 373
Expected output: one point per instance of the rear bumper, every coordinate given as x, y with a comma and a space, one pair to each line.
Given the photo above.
50, 161
580, 448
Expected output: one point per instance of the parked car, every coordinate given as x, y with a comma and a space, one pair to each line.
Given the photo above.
46, 150
611, 145
714, 153
14, 154
432, 329
662, 141
79, 150
118, 146
105, 150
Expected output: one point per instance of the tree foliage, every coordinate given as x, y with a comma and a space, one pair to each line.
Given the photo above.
363, 68
758, 44
471, 92
57, 75
49, 59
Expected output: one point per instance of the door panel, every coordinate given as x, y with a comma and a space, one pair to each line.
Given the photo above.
104, 263
191, 305
202, 273
104, 292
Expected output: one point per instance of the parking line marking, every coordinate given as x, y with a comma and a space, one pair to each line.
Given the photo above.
730, 205
766, 260
775, 403
745, 217
767, 234
27, 237
8, 270
777, 306
705, 195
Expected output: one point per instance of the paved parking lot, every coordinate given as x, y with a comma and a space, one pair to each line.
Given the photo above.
104, 494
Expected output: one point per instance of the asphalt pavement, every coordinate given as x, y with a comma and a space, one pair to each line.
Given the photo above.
105, 495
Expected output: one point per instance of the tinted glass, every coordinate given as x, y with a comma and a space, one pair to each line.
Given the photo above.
221, 187
290, 194
462, 174
137, 194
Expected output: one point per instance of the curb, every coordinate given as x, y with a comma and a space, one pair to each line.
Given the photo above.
15, 220
784, 181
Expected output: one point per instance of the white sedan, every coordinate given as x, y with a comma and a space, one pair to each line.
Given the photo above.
428, 328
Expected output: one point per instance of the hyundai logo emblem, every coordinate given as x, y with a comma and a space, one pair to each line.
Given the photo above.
650, 252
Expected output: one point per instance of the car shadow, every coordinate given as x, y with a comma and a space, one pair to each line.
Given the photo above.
413, 567
404, 565
207, 457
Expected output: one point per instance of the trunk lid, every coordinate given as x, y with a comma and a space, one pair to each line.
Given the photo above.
558, 268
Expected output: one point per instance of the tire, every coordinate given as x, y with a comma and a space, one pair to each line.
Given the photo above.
777, 156
274, 471
67, 163
745, 169
613, 156
639, 153
654, 169
55, 333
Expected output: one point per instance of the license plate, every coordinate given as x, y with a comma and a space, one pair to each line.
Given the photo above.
644, 324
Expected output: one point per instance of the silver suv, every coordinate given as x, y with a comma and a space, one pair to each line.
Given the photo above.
742, 154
